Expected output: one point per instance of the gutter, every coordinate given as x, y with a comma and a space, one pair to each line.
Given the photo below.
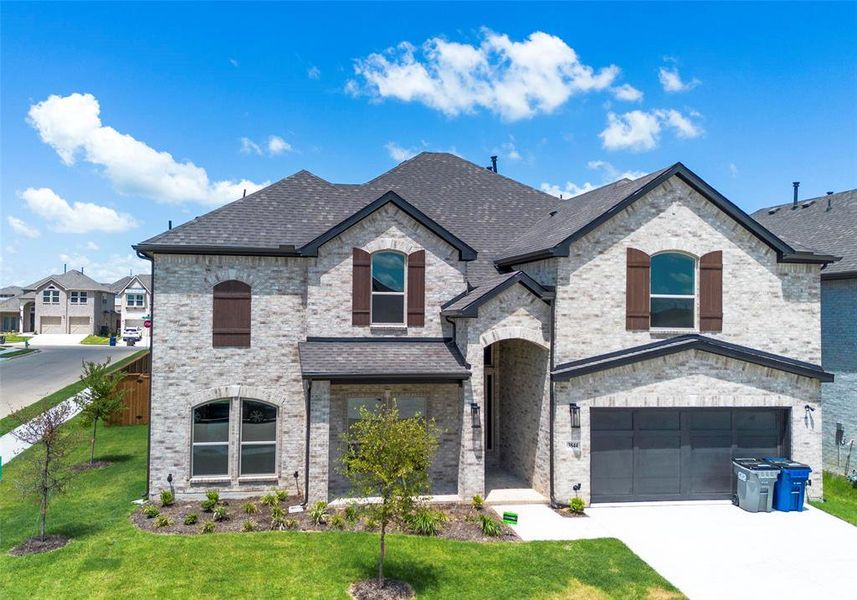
552, 400
306, 445
151, 259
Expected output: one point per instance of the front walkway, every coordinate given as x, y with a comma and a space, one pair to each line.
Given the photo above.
716, 550
502, 487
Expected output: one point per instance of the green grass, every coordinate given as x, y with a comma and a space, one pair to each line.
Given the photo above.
12, 338
840, 498
9, 423
19, 352
110, 558
95, 340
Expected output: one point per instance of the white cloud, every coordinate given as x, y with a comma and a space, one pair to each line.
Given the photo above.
640, 130
672, 82
81, 217
277, 145
515, 80
609, 175
733, 170
626, 92
248, 146
398, 153
21, 228
233, 62
314, 72
71, 125
115, 267
92, 246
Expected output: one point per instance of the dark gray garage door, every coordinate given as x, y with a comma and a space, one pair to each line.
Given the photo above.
677, 454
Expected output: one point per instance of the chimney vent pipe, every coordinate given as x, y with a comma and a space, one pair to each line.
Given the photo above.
494, 163
795, 185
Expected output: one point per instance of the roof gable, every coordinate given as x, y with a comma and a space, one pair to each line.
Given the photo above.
70, 280
467, 305
465, 252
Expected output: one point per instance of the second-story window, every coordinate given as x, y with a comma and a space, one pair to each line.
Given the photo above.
673, 291
388, 288
78, 298
51, 297
134, 300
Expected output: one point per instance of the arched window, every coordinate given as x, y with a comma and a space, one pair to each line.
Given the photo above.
231, 315
388, 288
673, 291
258, 438
210, 439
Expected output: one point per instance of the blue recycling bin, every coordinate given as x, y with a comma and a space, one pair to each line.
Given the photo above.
112, 340
790, 489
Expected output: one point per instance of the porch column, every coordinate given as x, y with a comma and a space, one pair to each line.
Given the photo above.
471, 463
21, 317
319, 441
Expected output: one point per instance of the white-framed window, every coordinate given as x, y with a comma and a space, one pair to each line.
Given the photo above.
258, 438
210, 439
51, 296
78, 297
388, 288
673, 291
135, 300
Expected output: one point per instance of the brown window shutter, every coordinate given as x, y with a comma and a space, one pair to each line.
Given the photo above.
231, 315
637, 290
417, 289
711, 292
361, 287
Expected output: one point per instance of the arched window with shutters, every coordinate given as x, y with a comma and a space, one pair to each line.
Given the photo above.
388, 288
673, 291
231, 315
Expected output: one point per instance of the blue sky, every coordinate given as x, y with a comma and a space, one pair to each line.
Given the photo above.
119, 117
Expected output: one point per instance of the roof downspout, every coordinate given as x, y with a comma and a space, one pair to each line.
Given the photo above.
306, 444
552, 401
151, 259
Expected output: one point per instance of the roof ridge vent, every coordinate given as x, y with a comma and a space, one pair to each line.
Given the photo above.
773, 210
807, 204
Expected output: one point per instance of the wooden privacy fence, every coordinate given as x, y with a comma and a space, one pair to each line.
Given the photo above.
135, 384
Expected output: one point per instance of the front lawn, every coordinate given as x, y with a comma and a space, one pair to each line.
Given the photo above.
95, 340
18, 352
9, 422
12, 338
840, 498
108, 557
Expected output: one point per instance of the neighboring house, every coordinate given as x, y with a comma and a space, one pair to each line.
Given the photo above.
17, 310
829, 223
72, 302
622, 345
133, 302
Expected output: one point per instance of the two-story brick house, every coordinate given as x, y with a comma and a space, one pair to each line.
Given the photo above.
133, 301
622, 345
72, 302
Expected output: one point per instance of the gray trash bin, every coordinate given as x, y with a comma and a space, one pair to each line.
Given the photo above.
755, 481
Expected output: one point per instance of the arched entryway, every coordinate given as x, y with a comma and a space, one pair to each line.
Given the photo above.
516, 403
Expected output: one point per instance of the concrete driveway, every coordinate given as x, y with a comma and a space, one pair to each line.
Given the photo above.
28, 378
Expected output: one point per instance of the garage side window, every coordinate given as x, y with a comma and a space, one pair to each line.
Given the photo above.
673, 291
210, 443
231, 315
258, 438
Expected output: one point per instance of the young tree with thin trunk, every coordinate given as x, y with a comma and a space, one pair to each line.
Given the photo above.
103, 399
389, 457
45, 471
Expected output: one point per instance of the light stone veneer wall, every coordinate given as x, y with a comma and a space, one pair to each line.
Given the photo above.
442, 405
766, 305
524, 411
188, 371
691, 379
330, 277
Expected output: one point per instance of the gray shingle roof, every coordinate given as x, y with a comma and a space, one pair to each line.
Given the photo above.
832, 230
11, 290
416, 359
120, 284
466, 305
71, 280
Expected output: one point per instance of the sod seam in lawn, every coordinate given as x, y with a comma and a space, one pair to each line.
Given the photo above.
9, 422
840, 498
109, 558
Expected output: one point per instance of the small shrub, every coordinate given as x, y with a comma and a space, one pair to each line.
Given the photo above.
282, 495
270, 499
163, 521
167, 498
352, 512
318, 513
576, 505
426, 521
191, 519
490, 526
477, 502
250, 508
220, 513
370, 523
338, 521
291, 524
212, 499
207, 527
150, 510
249, 525
279, 521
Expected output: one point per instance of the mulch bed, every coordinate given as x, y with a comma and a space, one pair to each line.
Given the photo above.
463, 523
36, 546
568, 514
369, 589
94, 466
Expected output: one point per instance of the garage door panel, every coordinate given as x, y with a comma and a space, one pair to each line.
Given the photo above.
79, 325
658, 463
50, 325
655, 420
613, 463
710, 467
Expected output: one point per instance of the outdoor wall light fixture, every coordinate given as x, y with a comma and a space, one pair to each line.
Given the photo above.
170, 481
574, 411
474, 415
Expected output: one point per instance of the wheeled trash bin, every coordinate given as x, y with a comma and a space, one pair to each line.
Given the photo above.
755, 481
790, 489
